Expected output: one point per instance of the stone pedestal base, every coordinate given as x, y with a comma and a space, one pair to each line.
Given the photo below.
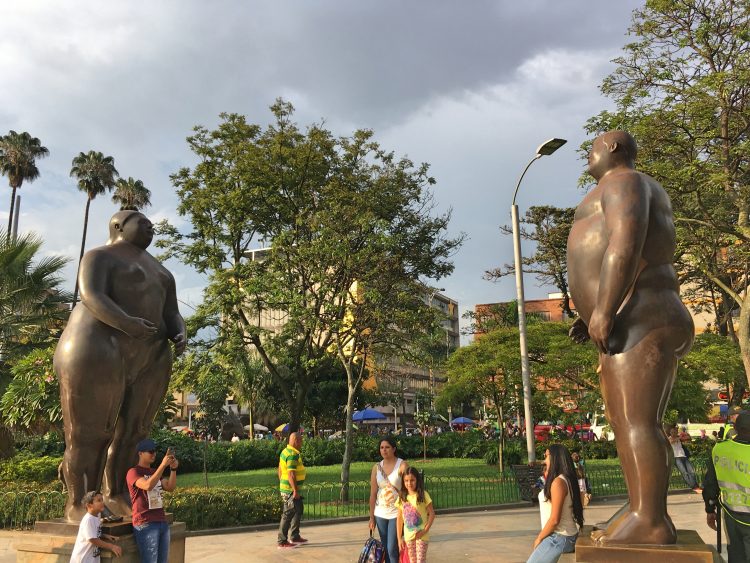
53, 540
689, 548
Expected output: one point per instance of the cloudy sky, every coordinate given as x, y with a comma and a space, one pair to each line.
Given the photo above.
470, 87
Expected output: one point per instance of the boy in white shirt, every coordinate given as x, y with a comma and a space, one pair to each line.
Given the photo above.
89, 543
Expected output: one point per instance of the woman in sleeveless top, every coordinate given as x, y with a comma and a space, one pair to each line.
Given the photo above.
559, 506
385, 487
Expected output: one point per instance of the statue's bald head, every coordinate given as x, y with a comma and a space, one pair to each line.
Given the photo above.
623, 141
611, 150
117, 221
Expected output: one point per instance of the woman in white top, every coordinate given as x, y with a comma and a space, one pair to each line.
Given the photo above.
385, 486
559, 506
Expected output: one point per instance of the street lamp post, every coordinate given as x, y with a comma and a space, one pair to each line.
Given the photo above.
544, 149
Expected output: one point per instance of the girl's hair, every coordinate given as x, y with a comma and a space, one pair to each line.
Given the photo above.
391, 441
420, 484
561, 463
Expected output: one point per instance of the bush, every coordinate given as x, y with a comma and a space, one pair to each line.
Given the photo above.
30, 470
50, 444
204, 509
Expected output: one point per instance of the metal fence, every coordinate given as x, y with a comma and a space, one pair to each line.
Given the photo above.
20, 509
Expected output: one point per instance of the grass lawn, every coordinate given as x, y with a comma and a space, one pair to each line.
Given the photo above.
360, 471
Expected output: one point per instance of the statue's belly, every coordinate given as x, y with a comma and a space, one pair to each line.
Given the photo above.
587, 244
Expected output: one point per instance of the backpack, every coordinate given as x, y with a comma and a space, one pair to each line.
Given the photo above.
372, 552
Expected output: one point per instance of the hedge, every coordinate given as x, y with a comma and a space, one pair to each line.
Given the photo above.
223, 507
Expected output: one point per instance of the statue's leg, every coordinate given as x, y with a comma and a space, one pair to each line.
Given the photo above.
635, 387
141, 403
91, 390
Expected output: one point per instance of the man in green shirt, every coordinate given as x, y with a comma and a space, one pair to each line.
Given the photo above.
291, 479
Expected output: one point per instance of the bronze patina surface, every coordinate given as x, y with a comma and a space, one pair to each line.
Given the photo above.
114, 361
623, 283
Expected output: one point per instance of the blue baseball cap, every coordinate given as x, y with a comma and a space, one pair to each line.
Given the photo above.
146, 445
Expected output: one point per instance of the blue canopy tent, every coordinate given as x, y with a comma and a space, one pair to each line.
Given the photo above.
462, 420
368, 414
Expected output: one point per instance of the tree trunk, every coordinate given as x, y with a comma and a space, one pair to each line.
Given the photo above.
501, 429
349, 440
252, 428
10, 216
743, 337
83, 248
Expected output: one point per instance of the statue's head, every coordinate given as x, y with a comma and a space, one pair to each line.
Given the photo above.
611, 149
131, 226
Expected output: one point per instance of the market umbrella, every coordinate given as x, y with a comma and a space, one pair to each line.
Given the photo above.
257, 426
285, 428
368, 414
462, 420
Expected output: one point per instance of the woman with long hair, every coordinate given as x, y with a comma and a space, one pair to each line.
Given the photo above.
385, 488
560, 507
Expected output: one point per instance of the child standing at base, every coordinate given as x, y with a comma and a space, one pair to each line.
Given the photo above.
89, 543
415, 516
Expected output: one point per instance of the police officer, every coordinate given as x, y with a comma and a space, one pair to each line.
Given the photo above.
727, 485
728, 432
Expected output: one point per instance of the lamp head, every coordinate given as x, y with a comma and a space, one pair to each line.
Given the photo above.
548, 147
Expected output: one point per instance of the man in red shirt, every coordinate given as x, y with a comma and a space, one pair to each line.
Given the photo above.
145, 484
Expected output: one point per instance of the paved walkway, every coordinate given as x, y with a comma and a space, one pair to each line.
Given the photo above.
489, 536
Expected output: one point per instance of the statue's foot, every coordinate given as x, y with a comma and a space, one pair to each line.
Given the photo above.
74, 513
635, 528
116, 507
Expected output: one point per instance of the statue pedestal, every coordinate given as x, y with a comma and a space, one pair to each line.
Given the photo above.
53, 540
689, 548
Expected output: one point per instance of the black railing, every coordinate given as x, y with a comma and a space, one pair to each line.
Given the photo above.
20, 509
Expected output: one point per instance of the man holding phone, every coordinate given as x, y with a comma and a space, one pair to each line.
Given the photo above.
145, 484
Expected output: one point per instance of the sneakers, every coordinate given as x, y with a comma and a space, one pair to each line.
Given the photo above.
286, 545
299, 540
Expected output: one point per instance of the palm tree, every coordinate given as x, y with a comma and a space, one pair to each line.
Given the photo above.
18, 154
96, 174
131, 194
32, 307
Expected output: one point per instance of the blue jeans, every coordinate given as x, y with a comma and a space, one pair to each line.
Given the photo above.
687, 471
152, 539
387, 531
552, 547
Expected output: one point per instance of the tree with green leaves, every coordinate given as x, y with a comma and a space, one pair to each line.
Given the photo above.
346, 234
682, 88
31, 402
131, 194
18, 155
96, 174
490, 369
549, 263
32, 304
32, 314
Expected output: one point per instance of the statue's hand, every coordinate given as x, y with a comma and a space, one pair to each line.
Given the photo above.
140, 328
180, 342
600, 326
579, 332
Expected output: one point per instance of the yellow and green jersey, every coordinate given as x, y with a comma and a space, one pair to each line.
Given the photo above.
290, 460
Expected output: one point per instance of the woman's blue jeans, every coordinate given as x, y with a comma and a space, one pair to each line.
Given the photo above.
153, 541
387, 531
552, 547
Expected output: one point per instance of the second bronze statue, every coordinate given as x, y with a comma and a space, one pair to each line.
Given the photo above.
623, 282
114, 361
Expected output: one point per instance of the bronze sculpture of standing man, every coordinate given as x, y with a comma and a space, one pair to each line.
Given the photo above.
114, 360
623, 282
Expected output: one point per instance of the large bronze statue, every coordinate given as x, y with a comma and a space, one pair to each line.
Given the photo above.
114, 360
622, 280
